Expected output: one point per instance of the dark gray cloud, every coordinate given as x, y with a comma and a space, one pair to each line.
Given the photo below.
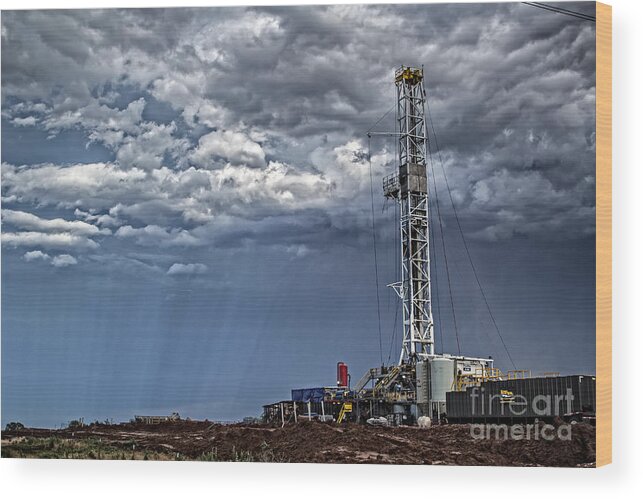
510, 88
170, 171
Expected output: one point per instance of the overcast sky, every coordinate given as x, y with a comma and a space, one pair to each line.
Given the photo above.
186, 210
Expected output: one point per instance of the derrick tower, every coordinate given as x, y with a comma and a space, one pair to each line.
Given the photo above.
409, 187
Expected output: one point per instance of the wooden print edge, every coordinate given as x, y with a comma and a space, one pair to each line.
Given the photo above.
603, 234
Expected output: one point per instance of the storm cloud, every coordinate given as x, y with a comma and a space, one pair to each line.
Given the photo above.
185, 145
290, 92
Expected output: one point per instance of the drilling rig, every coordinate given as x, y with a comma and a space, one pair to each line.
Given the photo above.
417, 385
408, 186
422, 380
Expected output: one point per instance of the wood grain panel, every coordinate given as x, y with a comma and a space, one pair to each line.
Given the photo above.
603, 234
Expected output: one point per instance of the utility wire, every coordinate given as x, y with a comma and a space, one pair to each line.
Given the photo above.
379, 318
560, 10
444, 251
390, 347
396, 260
464, 241
380, 119
377, 277
433, 262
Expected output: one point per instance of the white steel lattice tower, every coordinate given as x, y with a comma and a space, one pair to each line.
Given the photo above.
409, 187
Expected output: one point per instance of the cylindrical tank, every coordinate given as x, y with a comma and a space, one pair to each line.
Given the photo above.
442, 377
342, 374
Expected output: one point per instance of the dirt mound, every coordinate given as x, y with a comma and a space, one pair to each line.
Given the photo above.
329, 443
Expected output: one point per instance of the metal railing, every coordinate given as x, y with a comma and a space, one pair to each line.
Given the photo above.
391, 184
519, 374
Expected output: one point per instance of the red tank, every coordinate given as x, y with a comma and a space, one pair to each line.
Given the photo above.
342, 374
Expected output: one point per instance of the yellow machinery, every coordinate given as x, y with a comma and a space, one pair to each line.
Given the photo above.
463, 381
506, 396
410, 75
346, 408
386, 381
518, 374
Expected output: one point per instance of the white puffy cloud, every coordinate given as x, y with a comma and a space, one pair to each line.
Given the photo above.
102, 220
348, 167
206, 112
29, 221
233, 147
35, 255
180, 89
43, 240
153, 235
105, 123
109, 195
27, 121
187, 269
26, 107
63, 260
97, 185
147, 149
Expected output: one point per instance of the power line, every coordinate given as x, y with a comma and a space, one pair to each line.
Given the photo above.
377, 277
444, 252
380, 119
433, 262
464, 241
560, 10
393, 335
396, 260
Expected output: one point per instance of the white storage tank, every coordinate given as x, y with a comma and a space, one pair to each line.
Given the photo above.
442, 377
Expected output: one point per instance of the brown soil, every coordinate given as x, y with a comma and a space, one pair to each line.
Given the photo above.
328, 443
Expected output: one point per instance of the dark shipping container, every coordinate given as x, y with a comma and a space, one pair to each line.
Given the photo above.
526, 399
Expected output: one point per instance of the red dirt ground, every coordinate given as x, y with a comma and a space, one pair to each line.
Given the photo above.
329, 443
